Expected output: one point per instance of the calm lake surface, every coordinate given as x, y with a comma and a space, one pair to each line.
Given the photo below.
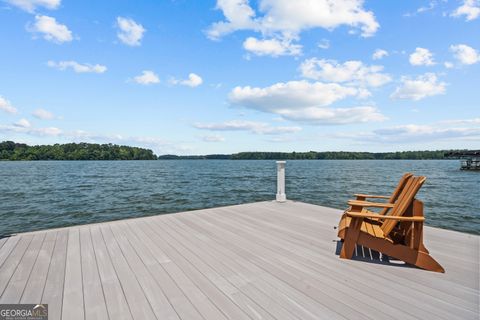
40, 195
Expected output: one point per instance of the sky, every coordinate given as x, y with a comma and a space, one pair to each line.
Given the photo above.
203, 77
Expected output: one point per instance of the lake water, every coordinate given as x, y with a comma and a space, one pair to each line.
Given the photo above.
40, 195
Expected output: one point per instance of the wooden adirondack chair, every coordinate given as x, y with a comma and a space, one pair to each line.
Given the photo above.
398, 234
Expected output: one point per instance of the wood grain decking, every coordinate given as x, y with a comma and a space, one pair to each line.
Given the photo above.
263, 260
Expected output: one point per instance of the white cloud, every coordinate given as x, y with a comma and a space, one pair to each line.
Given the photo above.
213, 138
250, 126
32, 5
22, 123
284, 139
78, 67
465, 54
43, 114
329, 116
473, 121
292, 94
51, 29
194, 80
6, 106
18, 128
131, 33
448, 65
147, 77
238, 14
286, 19
290, 17
305, 102
272, 47
421, 57
379, 54
470, 9
349, 72
324, 44
411, 133
423, 86
431, 5
49, 131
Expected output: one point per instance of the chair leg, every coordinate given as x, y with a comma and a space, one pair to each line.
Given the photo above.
350, 240
412, 256
425, 261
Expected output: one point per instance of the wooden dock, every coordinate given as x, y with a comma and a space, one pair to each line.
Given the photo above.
263, 260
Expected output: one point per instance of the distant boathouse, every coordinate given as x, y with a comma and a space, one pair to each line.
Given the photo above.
469, 160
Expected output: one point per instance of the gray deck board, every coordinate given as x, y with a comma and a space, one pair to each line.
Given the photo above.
293, 301
2, 242
36, 283
53, 290
220, 277
290, 271
18, 281
159, 302
155, 260
251, 292
187, 277
73, 303
199, 301
10, 265
140, 307
263, 260
5, 251
94, 300
117, 306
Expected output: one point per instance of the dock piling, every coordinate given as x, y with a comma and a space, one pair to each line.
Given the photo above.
281, 196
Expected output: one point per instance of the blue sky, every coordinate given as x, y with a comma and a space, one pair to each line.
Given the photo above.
200, 77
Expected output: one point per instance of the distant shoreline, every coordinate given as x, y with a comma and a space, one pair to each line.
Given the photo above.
325, 155
11, 151
279, 159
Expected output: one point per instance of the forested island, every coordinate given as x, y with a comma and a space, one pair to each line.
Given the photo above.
10, 150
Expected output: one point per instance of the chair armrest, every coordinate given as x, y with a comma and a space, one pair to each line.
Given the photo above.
370, 196
378, 216
359, 203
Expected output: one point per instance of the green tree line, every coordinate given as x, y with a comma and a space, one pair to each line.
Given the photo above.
10, 150
328, 155
205, 157
341, 155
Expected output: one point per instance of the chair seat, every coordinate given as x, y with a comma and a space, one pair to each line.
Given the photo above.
368, 226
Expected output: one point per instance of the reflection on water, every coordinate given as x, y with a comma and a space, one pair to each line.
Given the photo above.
39, 195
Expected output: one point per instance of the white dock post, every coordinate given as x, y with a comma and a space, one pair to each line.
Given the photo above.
281, 196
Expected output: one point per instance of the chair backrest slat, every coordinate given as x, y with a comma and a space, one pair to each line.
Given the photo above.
405, 199
396, 193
